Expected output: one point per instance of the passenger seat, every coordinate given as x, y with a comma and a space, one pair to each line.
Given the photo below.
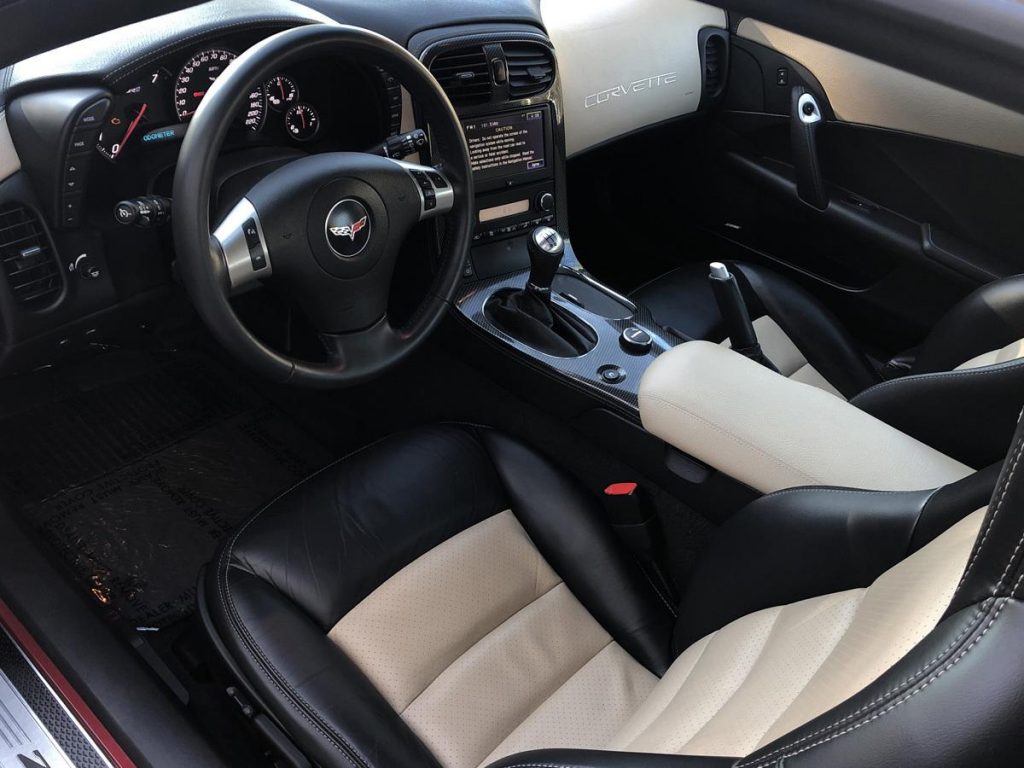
960, 389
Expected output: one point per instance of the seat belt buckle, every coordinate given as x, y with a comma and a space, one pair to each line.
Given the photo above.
631, 517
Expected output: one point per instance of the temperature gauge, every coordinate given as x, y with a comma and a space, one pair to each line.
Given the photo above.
281, 91
302, 122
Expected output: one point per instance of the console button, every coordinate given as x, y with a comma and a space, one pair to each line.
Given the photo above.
438, 179
252, 241
611, 374
636, 341
82, 142
71, 210
546, 202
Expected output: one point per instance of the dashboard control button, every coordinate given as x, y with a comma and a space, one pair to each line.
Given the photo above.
636, 341
438, 179
82, 142
85, 267
71, 210
546, 202
92, 116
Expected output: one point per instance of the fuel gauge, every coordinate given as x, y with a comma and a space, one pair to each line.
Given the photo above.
302, 122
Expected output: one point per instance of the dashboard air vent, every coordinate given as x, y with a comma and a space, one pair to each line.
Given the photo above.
714, 65
464, 75
32, 271
531, 69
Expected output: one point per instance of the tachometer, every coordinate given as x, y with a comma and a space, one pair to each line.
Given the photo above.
132, 110
195, 79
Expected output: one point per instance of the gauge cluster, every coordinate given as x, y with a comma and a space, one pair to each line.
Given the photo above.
329, 102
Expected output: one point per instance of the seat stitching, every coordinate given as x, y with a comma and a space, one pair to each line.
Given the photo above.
548, 698
956, 660
989, 524
658, 591
940, 376
480, 640
972, 622
734, 437
297, 702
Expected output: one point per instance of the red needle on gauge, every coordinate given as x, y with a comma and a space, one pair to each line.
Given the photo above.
131, 129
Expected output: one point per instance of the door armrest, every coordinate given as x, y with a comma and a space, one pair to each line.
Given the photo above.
772, 433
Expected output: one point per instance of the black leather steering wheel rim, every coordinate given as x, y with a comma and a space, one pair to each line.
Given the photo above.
362, 355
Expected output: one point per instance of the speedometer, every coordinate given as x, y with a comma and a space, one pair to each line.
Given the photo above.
195, 79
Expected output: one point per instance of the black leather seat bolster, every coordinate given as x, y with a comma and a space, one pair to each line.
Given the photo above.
335, 538
817, 333
759, 558
566, 524
989, 318
320, 696
967, 414
580, 758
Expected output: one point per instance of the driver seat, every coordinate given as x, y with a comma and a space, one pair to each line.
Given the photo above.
448, 597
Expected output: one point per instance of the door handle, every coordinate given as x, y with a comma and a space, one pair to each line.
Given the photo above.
805, 118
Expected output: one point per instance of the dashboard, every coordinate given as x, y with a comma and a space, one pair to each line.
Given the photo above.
100, 121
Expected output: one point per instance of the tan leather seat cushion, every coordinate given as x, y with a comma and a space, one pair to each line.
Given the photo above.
485, 652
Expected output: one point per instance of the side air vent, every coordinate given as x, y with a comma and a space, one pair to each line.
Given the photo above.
531, 69
714, 65
464, 75
32, 272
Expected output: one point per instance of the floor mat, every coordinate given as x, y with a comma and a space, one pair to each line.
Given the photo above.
149, 493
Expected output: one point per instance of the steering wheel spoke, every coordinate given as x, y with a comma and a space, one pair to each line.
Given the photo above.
240, 240
437, 196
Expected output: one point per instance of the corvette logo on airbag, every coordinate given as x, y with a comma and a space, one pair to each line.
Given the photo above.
349, 231
348, 228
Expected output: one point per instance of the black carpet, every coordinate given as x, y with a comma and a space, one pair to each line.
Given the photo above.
136, 481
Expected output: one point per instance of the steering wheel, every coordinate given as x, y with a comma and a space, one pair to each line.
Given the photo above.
329, 226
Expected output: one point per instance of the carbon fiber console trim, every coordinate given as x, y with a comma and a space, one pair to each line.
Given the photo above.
585, 370
36, 727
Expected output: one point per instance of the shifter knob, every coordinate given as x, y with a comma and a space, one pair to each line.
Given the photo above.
546, 249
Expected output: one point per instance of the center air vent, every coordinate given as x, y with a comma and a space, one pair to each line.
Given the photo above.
531, 69
32, 272
464, 75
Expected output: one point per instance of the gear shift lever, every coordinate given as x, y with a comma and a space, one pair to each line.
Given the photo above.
529, 315
734, 311
546, 249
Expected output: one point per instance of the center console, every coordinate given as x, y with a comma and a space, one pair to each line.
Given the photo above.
503, 83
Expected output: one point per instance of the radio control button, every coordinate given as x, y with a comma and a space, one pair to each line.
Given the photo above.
546, 202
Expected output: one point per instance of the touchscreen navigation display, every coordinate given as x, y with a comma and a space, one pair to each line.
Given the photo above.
502, 145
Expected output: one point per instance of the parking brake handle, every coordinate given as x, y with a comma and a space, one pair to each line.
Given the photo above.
804, 121
733, 308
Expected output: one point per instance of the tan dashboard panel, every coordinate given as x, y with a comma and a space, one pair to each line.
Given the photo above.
867, 92
9, 161
625, 64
